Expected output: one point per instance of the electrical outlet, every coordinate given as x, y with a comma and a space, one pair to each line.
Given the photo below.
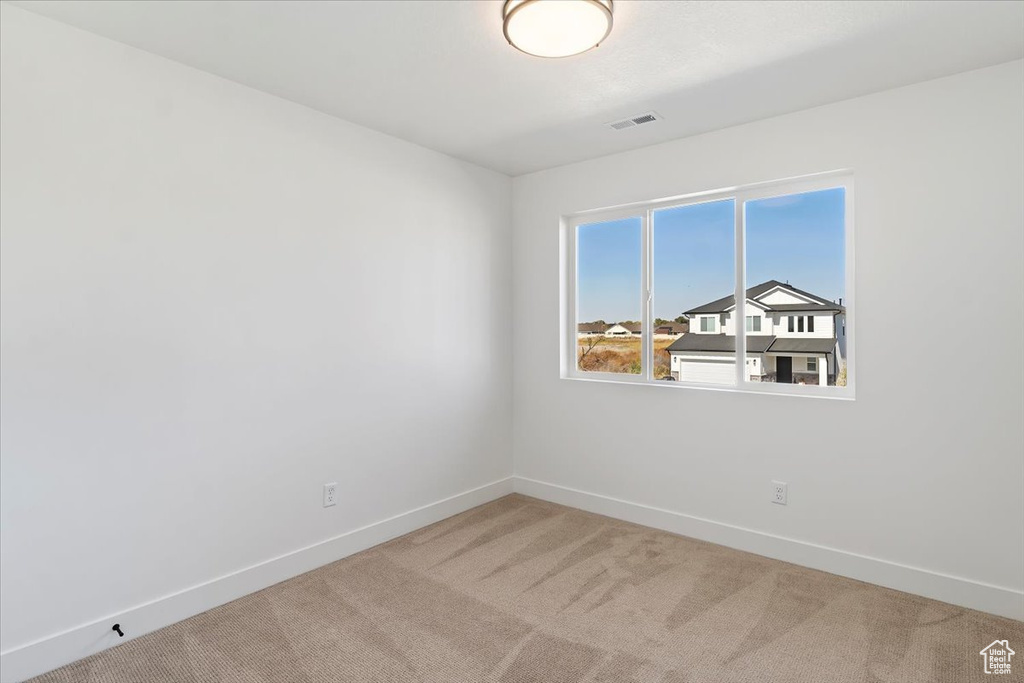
780, 492
330, 494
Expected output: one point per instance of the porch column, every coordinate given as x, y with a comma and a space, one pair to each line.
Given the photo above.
823, 371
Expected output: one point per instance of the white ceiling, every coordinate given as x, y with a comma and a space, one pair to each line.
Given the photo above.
439, 73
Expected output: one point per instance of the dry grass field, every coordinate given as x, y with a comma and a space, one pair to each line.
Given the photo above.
618, 354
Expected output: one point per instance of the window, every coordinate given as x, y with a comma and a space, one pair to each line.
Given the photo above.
608, 267
694, 261
797, 240
634, 270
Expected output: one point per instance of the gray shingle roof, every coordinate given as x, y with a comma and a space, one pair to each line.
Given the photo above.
671, 328
727, 302
719, 342
803, 345
785, 308
755, 344
716, 306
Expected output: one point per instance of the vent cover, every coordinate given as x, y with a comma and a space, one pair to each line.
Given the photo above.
633, 121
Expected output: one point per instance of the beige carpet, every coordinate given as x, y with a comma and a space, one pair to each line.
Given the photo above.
523, 591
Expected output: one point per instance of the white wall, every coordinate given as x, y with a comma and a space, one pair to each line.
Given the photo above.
928, 458
215, 301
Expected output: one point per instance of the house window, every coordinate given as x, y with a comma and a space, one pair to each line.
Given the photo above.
632, 269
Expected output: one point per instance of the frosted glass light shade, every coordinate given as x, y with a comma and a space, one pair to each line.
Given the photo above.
556, 28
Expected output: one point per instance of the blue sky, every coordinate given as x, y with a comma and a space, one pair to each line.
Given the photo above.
799, 238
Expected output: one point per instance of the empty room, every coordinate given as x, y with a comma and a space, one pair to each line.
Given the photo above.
511, 341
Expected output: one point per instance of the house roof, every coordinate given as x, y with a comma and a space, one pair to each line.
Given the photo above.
719, 342
756, 343
785, 308
812, 297
676, 328
727, 302
803, 345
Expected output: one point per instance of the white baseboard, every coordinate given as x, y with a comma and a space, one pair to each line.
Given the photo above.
62, 648
955, 590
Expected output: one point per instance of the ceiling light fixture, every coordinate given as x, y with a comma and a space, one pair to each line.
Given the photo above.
556, 28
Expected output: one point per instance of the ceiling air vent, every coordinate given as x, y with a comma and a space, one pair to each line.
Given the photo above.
632, 121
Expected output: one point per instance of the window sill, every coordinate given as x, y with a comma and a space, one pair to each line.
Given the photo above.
764, 389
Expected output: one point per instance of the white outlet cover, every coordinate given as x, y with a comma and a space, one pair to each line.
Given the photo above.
780, 492
330, 494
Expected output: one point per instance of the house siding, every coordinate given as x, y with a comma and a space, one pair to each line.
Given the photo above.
823, 325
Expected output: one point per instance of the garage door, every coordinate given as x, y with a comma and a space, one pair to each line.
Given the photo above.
707, 371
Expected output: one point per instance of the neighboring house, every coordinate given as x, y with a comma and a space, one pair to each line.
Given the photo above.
624, 330
792, 336
591, 329
666, 330
629, 329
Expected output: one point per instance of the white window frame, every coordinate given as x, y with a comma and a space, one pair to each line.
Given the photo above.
812, 359
645, 212
750, 321
711, 319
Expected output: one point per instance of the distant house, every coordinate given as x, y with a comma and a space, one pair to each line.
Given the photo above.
629, 329
591, 329
672, 329
792, 336
624, 330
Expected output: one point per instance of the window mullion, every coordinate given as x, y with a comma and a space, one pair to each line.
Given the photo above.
740, 311
572, 342
647, 323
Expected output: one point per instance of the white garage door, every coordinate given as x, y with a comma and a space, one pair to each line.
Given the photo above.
707, 371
